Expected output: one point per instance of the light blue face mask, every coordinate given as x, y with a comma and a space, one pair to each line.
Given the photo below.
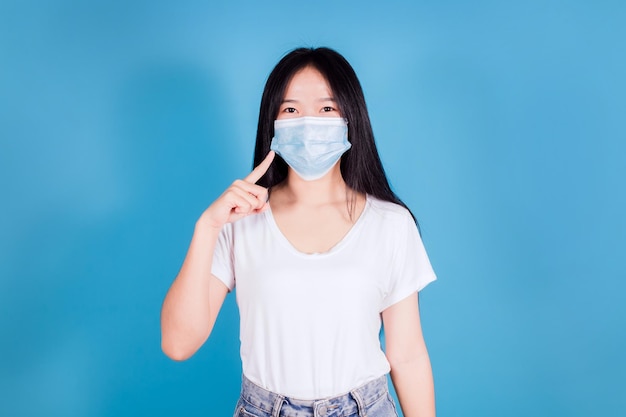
311, 145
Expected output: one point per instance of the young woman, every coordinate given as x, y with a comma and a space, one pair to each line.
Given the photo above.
321, 252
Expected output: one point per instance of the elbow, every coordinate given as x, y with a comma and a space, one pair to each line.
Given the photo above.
176, 355
175, 350
180, 343
407, 359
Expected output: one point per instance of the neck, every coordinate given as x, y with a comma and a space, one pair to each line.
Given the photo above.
331, 188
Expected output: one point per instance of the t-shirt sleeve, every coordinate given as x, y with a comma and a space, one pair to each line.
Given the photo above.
223, 259
411, 270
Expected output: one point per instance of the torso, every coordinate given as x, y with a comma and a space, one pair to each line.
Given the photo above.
310, 323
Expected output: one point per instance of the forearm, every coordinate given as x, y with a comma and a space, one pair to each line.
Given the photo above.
187, 315
413, 382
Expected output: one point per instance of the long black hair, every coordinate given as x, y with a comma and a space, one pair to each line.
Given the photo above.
361, 167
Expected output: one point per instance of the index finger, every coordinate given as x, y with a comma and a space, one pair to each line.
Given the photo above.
261, 169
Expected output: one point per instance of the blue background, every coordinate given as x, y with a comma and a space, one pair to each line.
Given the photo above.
501, 124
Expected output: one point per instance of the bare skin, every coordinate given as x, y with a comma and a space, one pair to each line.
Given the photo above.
314, 216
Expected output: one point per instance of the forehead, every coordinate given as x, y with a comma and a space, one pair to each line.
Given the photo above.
307, 81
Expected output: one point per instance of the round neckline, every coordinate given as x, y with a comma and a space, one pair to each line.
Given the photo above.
269, 215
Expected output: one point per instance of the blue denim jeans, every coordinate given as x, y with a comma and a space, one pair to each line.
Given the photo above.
371, 400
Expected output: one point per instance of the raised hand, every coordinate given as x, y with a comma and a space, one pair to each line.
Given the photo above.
241, 199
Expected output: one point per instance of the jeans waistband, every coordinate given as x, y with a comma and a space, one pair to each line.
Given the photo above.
277, 405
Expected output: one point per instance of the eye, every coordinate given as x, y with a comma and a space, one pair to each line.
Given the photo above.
327, 109
289, 110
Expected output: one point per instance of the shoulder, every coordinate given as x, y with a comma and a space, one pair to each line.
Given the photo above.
388, 212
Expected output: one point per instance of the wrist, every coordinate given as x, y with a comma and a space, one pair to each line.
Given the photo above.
205, 224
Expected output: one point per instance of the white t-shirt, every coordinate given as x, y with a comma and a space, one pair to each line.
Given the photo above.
310, 323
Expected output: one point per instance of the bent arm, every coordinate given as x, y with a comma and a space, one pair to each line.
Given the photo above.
194, 299
196, 296
406, 352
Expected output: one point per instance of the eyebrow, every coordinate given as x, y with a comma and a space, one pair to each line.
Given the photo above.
291, 100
